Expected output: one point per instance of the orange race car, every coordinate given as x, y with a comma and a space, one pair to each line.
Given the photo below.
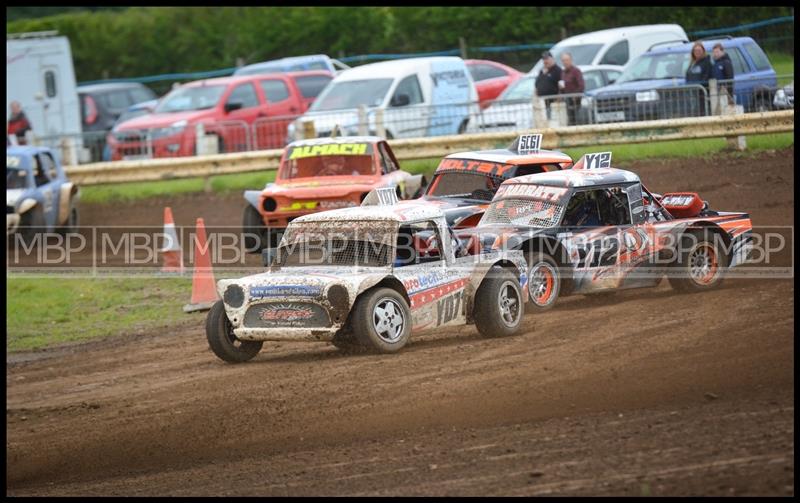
464, 183
323, 174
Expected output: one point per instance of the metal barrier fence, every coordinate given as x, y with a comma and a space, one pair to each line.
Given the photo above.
741, 95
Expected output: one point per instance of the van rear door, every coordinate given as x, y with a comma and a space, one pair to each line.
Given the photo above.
54, 123
452, 90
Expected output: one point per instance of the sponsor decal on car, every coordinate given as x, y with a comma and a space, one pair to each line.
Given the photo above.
259, 292
285, 312
542, 192
488, 168
328, 149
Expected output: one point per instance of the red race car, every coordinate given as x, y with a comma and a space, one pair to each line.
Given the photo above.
323, 174
491, 78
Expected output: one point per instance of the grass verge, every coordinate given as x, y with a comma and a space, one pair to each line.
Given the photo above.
41, 313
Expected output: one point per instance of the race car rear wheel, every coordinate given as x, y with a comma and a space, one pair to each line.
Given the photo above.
223, 341
544, 281
253, 230
31, 223
701, 263
382, 320
498, 304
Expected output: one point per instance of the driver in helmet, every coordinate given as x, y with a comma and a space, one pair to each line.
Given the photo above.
332, 165
583, 211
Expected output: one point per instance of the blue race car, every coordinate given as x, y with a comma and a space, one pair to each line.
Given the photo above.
39, 198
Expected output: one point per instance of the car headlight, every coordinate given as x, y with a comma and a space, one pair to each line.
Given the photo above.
586, 102
780, 96
647, 96
173, 129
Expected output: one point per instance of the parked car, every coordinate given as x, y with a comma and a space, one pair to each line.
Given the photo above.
417, 97
294, 64
513, 110
614, 46
239, 113
323, 174
465, 182
102, 104
133, 111
654, 85
367, 277
784, 97
491, 78
39, 197
597, 229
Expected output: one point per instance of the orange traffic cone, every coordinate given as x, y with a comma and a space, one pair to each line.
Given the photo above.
204, 288
173, 258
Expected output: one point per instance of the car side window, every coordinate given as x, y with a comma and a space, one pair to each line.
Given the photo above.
758, 56
275, 90
418, 243
617, 54
310, 86
739, 66
40, 170
598, 208
410, 87
244, 94
612, 75
592, 80
481, 72
387, 164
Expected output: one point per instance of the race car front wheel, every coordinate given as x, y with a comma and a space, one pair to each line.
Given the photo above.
498, 304
382, 320
544, 281
701, 262
223, 341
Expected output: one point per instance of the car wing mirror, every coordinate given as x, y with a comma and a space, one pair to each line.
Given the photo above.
400, 100
235, 105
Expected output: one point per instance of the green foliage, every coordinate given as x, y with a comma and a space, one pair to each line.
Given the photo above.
139, 41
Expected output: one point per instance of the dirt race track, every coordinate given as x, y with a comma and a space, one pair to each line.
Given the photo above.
648, 393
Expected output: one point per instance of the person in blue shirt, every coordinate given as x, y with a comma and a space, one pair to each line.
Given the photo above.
722, 70
698, 73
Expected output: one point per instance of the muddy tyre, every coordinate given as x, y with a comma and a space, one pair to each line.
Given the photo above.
382, 320
253, 230
498, 304
701, 263
544, 281
222, 340
71, 225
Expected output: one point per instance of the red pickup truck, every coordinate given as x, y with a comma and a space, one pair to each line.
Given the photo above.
240, 113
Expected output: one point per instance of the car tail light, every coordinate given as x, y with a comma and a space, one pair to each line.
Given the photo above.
89, 110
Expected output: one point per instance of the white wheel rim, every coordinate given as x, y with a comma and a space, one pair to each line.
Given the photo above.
388, 320
509, 303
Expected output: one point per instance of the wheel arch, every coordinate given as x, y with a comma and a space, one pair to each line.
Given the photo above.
700, 225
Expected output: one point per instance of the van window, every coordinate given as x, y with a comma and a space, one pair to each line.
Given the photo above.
739, 66
274, 90
116, 101
758, 56
617, 54
50, 83
581, 54
311, 85
244, 94
481, 72
409, 86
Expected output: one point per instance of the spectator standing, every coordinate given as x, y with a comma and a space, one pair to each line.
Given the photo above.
699, 72
547, 80
571, 83
18, 124
722, 70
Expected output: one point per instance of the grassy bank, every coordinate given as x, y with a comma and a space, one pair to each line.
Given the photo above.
44, 312
238, 182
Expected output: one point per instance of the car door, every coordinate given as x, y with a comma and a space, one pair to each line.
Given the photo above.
434, 284
234, 128
45, 176
407, 115
281, 105
761, 81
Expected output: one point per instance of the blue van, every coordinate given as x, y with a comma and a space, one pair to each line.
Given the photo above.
294, 64
653, 86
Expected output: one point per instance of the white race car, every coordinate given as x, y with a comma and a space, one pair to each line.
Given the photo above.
367, 277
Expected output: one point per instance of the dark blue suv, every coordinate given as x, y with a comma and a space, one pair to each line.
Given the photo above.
653, 86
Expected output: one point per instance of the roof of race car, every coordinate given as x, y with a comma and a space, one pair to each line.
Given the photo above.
577, 177
506, 156
402, 211
338, 139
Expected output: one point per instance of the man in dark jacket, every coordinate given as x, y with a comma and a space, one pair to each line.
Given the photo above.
547, 80
18, 124
722, 70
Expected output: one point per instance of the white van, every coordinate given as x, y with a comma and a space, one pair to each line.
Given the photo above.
419, 97
615, 46
40, 75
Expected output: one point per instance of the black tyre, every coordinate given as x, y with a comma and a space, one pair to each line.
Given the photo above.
31, 223
71, 225
498, 304
381, 320
544, 281
222, 340
253, 230
701, 262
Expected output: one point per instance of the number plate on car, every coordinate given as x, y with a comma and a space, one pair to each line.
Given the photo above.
611, 116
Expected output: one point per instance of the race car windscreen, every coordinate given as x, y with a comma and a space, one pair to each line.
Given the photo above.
342, 159
16, 178
529, 205
364, 244
351, 94
464, 185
